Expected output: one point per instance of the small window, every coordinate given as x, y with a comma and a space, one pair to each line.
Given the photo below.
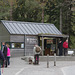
17, 45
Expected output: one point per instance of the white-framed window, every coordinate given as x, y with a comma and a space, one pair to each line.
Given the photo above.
17, 45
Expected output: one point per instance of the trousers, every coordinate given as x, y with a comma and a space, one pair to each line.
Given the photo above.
36, 57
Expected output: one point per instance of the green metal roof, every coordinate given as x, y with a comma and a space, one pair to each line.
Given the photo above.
17, 27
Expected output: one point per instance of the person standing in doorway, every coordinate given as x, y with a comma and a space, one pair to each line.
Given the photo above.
5, 53
65, 46
8, 55
36, 52
60, 47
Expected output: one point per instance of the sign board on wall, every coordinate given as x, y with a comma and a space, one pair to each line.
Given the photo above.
50, 41
32, 40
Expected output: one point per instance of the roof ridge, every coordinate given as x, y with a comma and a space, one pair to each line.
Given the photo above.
26, 22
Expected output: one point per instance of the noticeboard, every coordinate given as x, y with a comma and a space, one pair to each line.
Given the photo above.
50, 41
32, 40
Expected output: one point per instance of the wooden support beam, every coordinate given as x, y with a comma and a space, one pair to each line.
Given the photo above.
56, 47
25, 40
42, 46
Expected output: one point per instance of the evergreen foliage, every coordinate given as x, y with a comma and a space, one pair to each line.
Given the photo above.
47, 11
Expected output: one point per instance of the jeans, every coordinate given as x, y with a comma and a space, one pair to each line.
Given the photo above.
8, 60
65, 52
60, 51
36, 58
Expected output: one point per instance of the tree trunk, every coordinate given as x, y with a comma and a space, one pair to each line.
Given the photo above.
61, 20
11, 4
42, 15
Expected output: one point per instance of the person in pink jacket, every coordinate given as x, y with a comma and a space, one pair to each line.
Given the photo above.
8, 55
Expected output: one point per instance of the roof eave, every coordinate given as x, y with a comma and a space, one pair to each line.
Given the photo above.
54, 35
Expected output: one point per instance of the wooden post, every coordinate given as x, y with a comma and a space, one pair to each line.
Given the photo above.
56, 47
25, 44
54, 59
47, 60
42, 46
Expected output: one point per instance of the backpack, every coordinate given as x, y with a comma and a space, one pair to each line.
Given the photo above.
37, 49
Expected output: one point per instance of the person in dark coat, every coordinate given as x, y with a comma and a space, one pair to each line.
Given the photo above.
1, 56
1, 59
60, 47
5, 53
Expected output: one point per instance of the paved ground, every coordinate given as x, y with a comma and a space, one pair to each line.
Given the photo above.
20, 67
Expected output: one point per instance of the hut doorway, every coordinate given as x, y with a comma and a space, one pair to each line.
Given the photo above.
48, 46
